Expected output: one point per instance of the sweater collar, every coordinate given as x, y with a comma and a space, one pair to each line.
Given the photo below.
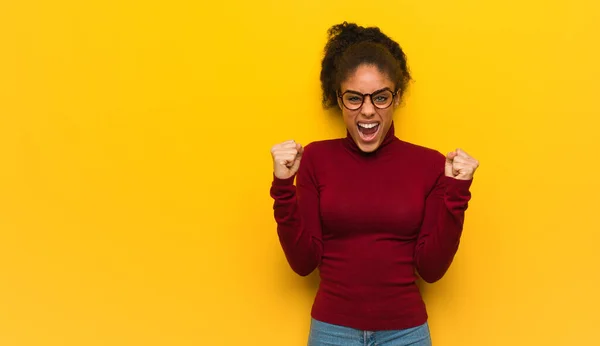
351, 144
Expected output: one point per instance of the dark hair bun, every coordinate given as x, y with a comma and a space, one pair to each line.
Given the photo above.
350, 45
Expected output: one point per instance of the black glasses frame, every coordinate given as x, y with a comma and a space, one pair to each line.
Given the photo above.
364, 96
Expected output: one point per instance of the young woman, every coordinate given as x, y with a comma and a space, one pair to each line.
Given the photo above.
369, 210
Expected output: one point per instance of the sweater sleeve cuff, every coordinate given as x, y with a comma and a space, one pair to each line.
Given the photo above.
283, 182
458, 185
457, 194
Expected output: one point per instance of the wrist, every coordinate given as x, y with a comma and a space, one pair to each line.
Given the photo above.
283, 181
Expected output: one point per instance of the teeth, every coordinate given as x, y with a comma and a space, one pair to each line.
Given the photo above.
368, 126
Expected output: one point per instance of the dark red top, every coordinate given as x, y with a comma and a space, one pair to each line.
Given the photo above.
370, 222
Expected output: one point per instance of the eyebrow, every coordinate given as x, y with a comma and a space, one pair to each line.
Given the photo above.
374, 92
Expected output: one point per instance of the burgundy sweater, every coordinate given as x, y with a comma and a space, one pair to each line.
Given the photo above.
370, 222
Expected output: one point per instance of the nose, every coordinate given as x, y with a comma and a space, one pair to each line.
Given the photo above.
368, 109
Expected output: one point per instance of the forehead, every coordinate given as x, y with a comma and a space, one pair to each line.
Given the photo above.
366, 79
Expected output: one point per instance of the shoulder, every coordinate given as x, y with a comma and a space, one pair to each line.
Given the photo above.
427, 163
325, 143
421, 153
320, 154
322, 147
316, 155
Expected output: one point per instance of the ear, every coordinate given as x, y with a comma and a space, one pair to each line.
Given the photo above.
339, 101
397, 99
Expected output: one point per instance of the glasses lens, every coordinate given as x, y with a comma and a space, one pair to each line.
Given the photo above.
352, 101
383, 99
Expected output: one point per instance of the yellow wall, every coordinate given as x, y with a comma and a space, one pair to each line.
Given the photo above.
134, 205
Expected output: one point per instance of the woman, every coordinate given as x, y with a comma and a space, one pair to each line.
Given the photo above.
369, 210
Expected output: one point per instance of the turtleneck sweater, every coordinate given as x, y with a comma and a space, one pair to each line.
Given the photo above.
372, 223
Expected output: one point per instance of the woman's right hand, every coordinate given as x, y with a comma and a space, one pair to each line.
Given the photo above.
286, 159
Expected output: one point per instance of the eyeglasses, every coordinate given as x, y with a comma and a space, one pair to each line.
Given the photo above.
381, 99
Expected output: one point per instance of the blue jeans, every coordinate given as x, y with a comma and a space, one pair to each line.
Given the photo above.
325, 334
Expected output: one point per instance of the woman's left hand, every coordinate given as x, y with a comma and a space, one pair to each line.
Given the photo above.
460, 165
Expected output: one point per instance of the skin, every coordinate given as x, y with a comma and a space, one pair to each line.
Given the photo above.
367, 79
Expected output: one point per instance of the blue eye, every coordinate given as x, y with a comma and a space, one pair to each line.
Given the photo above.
354, 99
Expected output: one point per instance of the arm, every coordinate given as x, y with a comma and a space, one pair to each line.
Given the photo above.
442, 226
296, 211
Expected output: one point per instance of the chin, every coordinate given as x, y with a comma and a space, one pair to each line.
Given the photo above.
368, 147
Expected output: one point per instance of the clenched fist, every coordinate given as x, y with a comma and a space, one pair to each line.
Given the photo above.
460, 165
286, 159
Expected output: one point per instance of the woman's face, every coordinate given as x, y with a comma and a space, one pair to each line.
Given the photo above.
368, 124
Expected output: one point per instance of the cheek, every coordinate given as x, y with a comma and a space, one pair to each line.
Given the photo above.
348, 118
387, 115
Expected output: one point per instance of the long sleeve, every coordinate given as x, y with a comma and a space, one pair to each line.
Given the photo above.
442, 226
296, 211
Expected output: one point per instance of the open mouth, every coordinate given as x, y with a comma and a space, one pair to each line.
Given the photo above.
368, 131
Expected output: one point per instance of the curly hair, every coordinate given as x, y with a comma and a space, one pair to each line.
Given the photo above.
349, 46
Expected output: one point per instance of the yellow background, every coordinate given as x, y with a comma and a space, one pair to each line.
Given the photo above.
135, 165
